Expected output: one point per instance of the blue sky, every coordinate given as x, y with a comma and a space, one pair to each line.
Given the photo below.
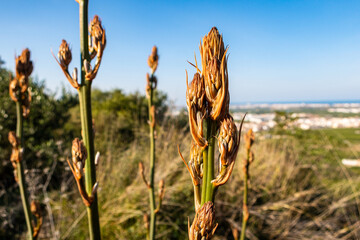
279, 50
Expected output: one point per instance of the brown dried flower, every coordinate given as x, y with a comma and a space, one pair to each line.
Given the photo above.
24, 66
13, 139
64, 54
249, 139
196, 105
161, 189
214, 70
97, 34
153, 59
229, 142
203, 226
79, 156
35, 208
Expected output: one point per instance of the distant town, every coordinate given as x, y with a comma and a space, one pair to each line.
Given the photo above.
261, 117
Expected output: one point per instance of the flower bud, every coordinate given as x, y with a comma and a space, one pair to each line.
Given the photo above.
249, 139
195, 101
146, 221
64, 54
23, 65
13, 139
228, 141
75, 75
153, 59
97, 34
196, 160
87, 66
35, 208
14, 89
214, 70
161, 188
203, 226
95, 188
25, 104
79, 156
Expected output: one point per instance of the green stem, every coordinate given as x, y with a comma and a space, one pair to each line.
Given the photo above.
20, 173
210, 170
86, 123
245, 199
206, 129
152, 229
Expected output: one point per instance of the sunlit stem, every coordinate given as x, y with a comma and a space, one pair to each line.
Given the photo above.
86, 123
152, 228
20, 172
245, 197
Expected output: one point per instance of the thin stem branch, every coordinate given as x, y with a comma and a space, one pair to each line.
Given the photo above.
86, 123
152, 229
210, 171
20, 173
206, 128
245, 197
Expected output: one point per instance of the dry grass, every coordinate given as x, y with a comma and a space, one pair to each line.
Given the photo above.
289, 198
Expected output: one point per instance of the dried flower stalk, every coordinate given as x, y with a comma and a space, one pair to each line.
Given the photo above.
151, 84
249, 141
20, 93
207, 99
92, 45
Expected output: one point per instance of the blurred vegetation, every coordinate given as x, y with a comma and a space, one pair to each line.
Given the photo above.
298, 188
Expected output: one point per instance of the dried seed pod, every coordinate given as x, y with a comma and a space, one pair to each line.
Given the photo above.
97, 34
14, 89
251, 157
64, 54
153, 59
214, 70
229, 142
203, 226
25, 103
148, 86
161, 189
196, 160
15, 157
79, 156
35, 208
196, 105
13, 139
249, 139
23, 65
146, 221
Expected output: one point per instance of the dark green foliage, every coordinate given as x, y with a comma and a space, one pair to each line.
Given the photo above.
48, 132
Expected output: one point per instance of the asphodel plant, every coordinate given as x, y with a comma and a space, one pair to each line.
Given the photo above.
92, 45
20, 93
151, 83
249, 141
207, 99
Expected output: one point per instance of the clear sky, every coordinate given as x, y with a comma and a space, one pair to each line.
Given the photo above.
279, 50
